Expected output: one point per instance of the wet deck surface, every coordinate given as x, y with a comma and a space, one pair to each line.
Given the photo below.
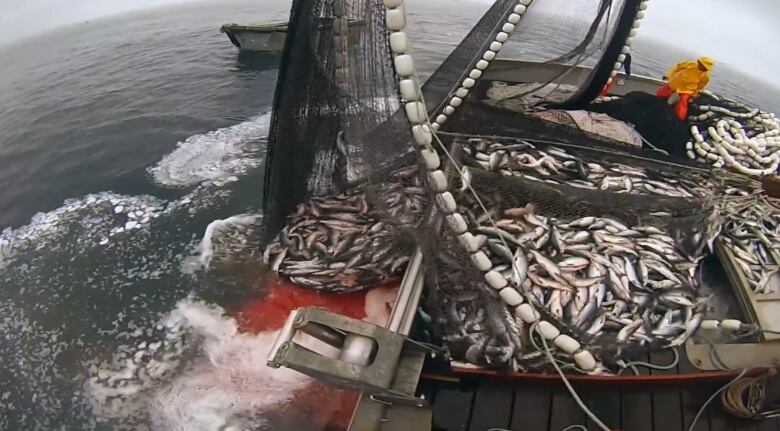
482, 404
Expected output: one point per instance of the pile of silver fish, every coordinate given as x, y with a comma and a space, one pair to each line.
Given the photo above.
349, 242
558, 165
751, 231
601, 278
610, 284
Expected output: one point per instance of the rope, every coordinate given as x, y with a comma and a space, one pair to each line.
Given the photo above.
712, 397
532, 300
472, 62
570, 388
635, 364
733, 400
568, 428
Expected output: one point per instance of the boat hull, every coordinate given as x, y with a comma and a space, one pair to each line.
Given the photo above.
257, 38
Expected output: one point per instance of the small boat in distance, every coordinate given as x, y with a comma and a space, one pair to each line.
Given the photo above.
269, 36
258, 37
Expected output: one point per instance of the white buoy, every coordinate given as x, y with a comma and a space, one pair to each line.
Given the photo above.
475, 73
502, 37
481, 261
415, 112
482, 64
710, 324
508, 28
422, 135
513, 18
527, 313
404, 65
441, 119
496, 46
462, 92
510, 296
456, 101
468, 242
448, 110
731, 325
438, 181
585, 360
495, 280
489, 55
547, 330
566, 343
409, 90
395, 19
468, 83
399, 42
456, 223
431, 158
446, 202
521, 8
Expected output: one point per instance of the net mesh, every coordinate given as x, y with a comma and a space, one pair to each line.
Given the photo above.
336, 92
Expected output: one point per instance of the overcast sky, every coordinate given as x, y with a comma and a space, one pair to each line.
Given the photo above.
744, 34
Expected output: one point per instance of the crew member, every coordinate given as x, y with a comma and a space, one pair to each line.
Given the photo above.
685, 80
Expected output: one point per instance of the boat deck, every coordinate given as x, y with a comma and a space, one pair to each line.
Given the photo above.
479, 404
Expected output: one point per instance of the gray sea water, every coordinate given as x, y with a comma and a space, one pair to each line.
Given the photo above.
121, 141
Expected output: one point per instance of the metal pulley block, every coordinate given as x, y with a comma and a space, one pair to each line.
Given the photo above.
356, 354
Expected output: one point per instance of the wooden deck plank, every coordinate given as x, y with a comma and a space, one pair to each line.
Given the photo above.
719, 419
531, 409
692, 398
636, 406
452, 409
767, 425
667, 401
565, 411
492, 406
743, 425
636, 410
605, 404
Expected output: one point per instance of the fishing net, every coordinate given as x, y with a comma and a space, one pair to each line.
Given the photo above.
730, 133
538, 225
335, 102
582, 29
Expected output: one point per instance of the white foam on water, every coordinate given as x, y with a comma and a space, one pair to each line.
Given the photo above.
95, 218
226, 381
202, 373
233, 236
212, 156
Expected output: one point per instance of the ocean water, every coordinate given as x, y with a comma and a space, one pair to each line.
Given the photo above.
131, 154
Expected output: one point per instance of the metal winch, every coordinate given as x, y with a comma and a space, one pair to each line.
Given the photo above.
383, 363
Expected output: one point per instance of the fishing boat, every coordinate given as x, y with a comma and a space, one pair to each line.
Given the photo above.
266, 37
553, 270
260, 37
